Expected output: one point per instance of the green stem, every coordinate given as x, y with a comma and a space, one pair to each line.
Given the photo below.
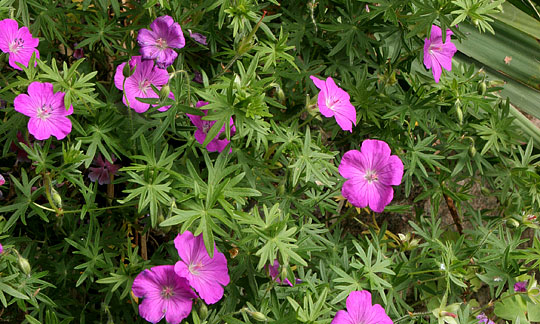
47, 184
411, 315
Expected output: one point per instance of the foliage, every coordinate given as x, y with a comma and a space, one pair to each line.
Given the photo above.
72, 247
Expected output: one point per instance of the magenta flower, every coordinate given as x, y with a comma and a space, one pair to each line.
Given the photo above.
165, 295
19, 43
334, 101
370, 173
483, 319
273, 271
104, 170
2, 180
1, 248
203, 126
199, 38
520, 286
138, 85
46, 111
158, 43
360, 311
437, 53
205, 274
78, 53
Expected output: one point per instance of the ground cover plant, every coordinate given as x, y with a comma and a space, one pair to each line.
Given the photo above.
243, 161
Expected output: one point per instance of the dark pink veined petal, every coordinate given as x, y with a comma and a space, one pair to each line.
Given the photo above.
379, 195
323, 108
161, 24
318, 82
25, 35
196, 120
345, 115
40, 92
150, 52
158, 77
23, 56
57, 102
427, 56
331, 88
343, 122
342, 317
379, 316
444, 56
217, 145
359, 305
178, 309
146, 37
8, 33
39, 128
392, 172
436, 34
376, 153
119, 76
175, 36
25, 104
436, 69
59, 126
353, 164
355, 191
208, 274
152, 309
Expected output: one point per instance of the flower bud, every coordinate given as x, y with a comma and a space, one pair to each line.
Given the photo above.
164, 92
482, 87
258, 316
202, 311
57, 199
472, 150
459, 113
127, 71
24, 264
512, 223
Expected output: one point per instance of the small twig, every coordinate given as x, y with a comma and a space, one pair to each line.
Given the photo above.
454, 213
534, 8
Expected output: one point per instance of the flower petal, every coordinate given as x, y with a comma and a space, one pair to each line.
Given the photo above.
392, 172
342, 317
24, 104
8, 33
376, 153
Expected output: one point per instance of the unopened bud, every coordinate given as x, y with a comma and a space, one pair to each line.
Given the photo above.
472, 150
203, 310
258, 316
459, 113
164, 92
280, 95
57, 199
481, 89
24, 264
127, 71
512, 223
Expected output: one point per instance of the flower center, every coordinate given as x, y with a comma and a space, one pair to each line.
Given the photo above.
167, 292
434, 48
144, 85
16, 45
44, 112
330, 102
371, 176
161, 43
195, 268
206, 126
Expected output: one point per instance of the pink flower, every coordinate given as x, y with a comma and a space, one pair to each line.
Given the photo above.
104, 170
205, 274
19, 43
203, 126
199, 38
360, 311
138, 85
334, 101
520, 286
158, 43
370, 174
78, 53
1, 248
2, 180
46, 111
165, 295
273, 271
437, 53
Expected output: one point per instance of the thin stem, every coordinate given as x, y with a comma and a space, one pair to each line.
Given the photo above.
411, 315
